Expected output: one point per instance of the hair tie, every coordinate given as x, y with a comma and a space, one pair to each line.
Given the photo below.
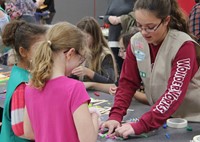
49, 42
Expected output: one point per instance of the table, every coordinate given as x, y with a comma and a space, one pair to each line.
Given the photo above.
3, 68
175, 135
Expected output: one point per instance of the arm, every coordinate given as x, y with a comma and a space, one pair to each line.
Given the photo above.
141, 97
39, 3
83, 119
99, 86
17, 111
187, 51
107, 74
28, 131
128, 84
194, 21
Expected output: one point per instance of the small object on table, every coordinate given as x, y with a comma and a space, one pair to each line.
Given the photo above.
164, 125
177, 123
96, 94
167, 136
196, 138
189, 128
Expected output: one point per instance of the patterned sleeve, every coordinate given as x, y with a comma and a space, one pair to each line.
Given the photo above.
17, 110
194, 21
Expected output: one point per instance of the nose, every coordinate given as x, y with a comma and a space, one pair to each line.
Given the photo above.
121, 54
143, 31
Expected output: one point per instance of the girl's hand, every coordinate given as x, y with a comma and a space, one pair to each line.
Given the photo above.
112, 90
80, 71
95, 114
114, 20
125, 130
111, 125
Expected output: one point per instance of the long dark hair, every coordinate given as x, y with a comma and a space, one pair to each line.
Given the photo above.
163, 8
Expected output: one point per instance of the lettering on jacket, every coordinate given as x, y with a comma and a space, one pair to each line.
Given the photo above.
174, 90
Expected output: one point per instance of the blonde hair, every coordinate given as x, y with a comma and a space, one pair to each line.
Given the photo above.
61, 36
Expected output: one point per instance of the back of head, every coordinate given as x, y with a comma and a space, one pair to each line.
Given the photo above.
164, 8
21, 34
126, 38
61, 36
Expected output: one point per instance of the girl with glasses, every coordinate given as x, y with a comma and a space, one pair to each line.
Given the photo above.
57, 106
166, 59
100, 66
124, 40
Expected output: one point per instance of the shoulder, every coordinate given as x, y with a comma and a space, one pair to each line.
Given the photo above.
72, 83
179, 36
106, 52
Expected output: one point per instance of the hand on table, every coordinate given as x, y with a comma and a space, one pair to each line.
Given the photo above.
125, 130
111, 125
112, 90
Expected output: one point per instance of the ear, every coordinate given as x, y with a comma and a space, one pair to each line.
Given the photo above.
167, 20
70, 53
22, 52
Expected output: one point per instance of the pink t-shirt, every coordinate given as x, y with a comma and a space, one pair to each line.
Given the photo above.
51, 110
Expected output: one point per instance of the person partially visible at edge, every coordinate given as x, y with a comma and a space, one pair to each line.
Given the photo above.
116, 8
194, 20
28, 9
166, 59
4, 19
101, 66
21, 37
69, 117
51, 8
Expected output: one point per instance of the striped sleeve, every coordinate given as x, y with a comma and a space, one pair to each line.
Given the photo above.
17, 110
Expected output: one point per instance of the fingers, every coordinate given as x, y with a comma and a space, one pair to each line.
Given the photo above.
111, 125
112, 90
111, 129
124, 131
77, 71
121, 132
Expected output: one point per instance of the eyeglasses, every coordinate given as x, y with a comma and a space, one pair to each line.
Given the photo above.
82, 58
148, 29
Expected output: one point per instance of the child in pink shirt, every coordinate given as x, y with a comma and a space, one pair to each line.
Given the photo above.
57, 106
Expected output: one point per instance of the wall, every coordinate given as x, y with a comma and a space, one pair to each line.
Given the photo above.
186, 5
73, 10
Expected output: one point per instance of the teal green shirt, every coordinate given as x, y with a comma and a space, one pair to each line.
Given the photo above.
17, 76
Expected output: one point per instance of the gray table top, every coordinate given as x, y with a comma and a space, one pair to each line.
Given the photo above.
3, 68
175, 135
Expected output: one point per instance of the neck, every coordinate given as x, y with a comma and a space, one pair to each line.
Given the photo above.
23, 65
58, 68
162, 37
